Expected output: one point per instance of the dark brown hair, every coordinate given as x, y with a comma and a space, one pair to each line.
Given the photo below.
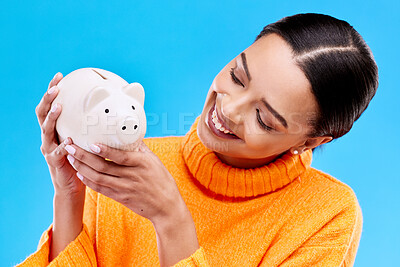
338, 64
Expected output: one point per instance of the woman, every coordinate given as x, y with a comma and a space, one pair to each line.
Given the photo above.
238, 188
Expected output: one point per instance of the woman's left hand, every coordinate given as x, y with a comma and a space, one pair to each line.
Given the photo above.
138, 180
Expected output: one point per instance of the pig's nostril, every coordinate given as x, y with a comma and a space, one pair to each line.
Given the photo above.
134, 127
123, 127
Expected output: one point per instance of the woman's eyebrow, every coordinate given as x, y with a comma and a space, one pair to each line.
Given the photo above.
246, 69
267, 105
275, 113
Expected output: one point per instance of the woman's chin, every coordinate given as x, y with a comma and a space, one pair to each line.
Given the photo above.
209, 141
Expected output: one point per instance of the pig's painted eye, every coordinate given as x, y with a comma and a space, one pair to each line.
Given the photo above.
106, 111
133, 107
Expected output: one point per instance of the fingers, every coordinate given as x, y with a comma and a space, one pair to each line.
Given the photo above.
121, 157
56, 79
43, 108
97, 173
48, 126
44, 105
107, 191
95, 162
93, 175
57, 157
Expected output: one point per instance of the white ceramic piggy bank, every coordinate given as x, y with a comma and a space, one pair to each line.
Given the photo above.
98, 106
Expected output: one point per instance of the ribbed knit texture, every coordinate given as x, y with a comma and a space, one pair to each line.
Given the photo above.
285, 213
237, 182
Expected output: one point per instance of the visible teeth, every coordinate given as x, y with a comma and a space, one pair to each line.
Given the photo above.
217, 124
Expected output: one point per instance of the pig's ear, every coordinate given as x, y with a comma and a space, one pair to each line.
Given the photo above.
136, 91
94, 97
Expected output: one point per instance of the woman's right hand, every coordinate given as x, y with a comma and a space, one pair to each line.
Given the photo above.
69, 191
63, 175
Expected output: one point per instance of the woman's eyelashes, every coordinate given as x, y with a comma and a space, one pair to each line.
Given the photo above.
237, 81
234, 78
262, 124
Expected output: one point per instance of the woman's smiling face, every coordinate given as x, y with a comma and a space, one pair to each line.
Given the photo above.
265, 99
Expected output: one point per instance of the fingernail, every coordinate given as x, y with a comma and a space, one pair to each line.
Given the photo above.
67, 141
79, 176
54, 108
70, 159
95, 148
55, 76
51, 90
70, 149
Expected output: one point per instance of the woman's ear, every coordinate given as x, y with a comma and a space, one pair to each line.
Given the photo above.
315, 141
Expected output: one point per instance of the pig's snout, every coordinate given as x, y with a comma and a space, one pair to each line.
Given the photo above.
128, 130
130, 126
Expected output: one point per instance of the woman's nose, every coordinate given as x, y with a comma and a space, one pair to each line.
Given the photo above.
233, 108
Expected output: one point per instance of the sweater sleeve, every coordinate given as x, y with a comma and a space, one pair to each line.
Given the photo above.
79, 252
197, 259
334, 245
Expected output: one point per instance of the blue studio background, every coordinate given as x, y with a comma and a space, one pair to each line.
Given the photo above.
175, 49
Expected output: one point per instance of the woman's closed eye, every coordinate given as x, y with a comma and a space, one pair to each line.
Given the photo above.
234, 78
262, 124
237, 81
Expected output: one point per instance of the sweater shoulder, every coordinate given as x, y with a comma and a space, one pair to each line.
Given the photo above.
332, 186
337, 208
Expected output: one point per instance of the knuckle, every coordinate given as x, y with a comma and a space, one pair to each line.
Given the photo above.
58, 151
51, 116
125, 199
96, 187
145, 167
91, 184
98, 178
42, 149
124, 158
79, 155
102, 167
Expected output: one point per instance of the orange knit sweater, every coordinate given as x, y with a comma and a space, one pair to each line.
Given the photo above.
285, 213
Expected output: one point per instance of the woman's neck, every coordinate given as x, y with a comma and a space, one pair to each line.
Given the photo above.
244, 162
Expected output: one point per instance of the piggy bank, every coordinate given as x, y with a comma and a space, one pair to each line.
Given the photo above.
99, 106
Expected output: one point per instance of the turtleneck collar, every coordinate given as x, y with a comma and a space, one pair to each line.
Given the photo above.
230, 181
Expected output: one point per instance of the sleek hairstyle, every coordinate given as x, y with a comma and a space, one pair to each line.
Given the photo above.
338, 64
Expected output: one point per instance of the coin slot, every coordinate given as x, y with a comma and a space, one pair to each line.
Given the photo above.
100, 74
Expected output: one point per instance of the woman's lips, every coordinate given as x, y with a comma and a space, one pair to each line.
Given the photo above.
223, 123
215, 131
